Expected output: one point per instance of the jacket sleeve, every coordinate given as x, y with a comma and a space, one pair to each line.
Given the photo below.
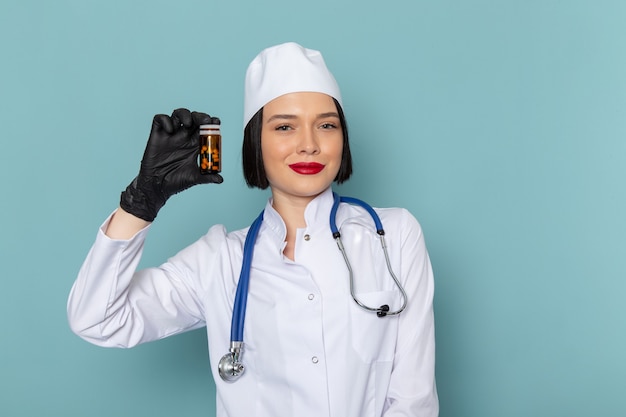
113, 305
412, 390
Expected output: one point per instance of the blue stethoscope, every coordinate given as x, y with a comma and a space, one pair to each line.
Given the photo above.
230, 367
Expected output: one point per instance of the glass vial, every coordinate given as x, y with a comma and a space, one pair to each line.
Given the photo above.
210, 158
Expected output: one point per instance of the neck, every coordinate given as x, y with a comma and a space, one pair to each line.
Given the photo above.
291, 209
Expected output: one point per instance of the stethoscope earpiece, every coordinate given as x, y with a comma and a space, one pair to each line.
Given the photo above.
382, 311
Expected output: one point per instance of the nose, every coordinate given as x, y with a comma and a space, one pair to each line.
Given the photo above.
308, 142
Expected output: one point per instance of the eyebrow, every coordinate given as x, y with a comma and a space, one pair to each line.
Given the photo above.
293, 116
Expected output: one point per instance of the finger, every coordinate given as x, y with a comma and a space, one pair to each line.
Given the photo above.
193, 176
163, 122
200, 118
182, 117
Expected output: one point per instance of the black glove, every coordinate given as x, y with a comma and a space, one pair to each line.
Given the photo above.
169, 163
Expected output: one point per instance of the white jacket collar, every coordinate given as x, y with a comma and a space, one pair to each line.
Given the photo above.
316, 215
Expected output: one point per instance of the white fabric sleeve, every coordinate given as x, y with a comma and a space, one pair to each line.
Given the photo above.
412, 389
113, 305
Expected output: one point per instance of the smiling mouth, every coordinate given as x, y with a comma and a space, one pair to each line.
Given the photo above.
307, 168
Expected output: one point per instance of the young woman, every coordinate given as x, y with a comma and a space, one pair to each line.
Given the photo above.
327, 333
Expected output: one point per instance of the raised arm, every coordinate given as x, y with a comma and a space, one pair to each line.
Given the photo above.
110, 303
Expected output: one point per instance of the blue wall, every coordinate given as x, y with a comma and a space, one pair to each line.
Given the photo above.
500, 124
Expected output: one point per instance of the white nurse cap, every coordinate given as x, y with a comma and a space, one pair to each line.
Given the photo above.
283, 69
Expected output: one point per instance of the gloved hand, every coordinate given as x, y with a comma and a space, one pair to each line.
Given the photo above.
169, 164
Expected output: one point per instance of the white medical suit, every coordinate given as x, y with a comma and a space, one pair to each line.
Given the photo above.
310, 351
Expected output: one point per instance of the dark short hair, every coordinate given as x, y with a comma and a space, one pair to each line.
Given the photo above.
252, 156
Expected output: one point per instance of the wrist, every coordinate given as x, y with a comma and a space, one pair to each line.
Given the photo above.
124, 225
141, 203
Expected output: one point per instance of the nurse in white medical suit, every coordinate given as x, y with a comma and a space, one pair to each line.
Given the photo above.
311, 347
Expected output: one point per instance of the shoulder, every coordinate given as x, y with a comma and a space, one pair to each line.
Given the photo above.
216, 240
398, 217
400, 222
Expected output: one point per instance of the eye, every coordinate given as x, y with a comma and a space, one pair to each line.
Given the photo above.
283, 128
328, 125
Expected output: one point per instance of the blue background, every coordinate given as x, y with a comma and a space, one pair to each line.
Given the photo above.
501, 125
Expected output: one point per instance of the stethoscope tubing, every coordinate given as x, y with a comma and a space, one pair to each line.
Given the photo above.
383, 310
356, 201
230, 367
241, 296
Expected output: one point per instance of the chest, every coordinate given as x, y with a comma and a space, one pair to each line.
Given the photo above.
311, 299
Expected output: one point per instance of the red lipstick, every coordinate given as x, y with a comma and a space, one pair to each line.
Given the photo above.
307, 168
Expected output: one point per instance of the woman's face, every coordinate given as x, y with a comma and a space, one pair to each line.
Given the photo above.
302, 144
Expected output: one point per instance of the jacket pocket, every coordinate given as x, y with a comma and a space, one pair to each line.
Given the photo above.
373, 338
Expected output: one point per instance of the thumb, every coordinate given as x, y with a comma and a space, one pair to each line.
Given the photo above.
210, 179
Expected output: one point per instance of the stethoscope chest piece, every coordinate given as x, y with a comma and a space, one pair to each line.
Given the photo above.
230, 367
